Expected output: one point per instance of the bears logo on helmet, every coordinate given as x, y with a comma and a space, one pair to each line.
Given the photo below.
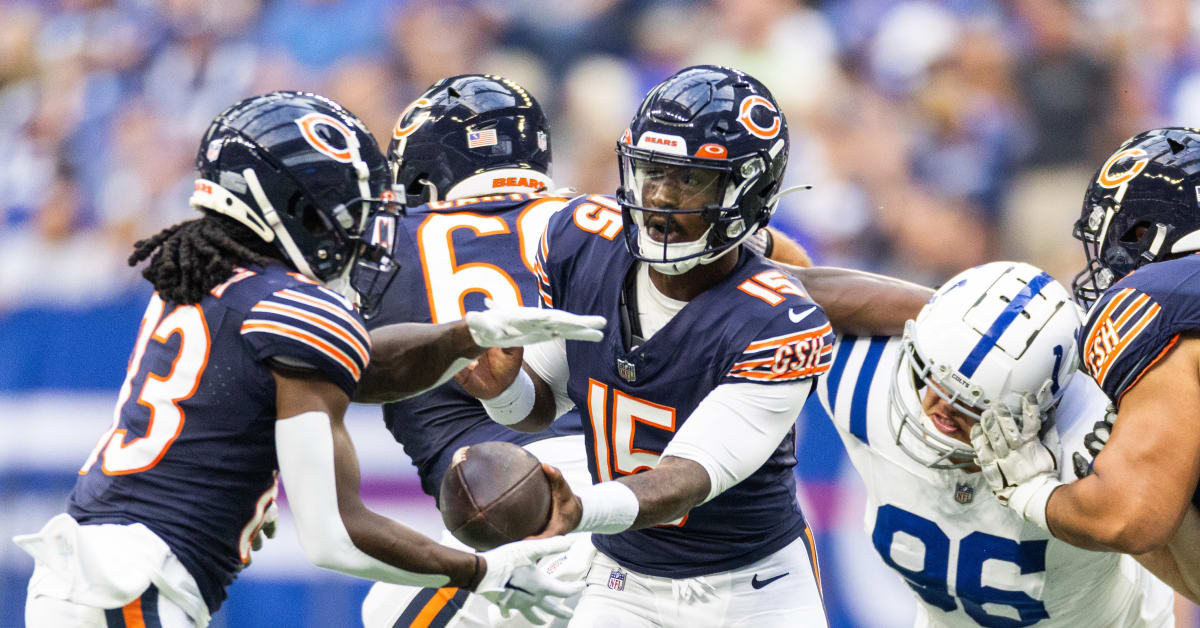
1141, 207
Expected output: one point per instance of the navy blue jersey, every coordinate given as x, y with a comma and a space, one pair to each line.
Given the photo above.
452, 255
191, 453
1137, 321
756, 325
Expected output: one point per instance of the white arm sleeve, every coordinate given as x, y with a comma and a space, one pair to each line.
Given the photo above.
549, 361
304, 447
757, 415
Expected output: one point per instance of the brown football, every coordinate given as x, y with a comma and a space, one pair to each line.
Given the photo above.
494, 493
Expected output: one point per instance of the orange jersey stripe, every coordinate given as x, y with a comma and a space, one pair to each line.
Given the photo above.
775, 343
433, 607
281, 329
295, 312
1125, 341
132, 614
1108, 310
781, 377
315, 302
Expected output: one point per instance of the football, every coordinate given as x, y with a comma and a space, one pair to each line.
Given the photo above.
494, 493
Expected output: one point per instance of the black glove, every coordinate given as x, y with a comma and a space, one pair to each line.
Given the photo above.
1093, 443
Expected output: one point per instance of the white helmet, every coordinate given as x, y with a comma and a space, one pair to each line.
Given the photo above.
993, 332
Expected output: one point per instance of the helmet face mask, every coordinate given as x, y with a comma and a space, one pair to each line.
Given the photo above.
994, 333
708, 141
1140, 208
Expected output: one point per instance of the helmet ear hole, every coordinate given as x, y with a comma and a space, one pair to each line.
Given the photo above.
1134, 234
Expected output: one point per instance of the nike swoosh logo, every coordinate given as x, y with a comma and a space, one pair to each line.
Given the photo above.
758, 584
796, 318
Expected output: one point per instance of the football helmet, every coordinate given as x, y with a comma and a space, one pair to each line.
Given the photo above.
1141, 207
299, 171
994, 332
470, 135
709, 141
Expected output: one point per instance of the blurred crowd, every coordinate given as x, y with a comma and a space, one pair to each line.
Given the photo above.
936, 133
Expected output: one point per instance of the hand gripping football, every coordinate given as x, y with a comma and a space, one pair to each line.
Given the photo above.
494, 493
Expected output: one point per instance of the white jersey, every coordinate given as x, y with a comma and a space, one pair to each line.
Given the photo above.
970, 560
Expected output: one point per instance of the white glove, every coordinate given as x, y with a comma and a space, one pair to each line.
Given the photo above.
515, 326
1021, 470
514, 582
569, 566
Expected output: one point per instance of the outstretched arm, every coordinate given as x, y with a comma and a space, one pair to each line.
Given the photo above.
320, 471
699, 463
408, 358
862, 303
1146, 474
319, 467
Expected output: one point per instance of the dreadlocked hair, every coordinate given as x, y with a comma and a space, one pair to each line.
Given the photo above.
192, 257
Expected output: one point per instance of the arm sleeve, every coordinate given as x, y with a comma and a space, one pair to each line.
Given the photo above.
548, 360
759, 414
304, 447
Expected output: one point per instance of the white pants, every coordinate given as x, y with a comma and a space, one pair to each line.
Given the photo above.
82, 572
779, 591
388, 605
151, 611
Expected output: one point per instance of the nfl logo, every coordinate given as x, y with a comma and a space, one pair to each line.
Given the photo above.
541, 140
616, 580
626, 370
963, 493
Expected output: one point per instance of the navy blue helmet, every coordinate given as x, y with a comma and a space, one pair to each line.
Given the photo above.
710, 141
298, 170
1141, 207
470, 135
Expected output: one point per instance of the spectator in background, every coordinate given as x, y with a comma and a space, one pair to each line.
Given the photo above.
1061, 83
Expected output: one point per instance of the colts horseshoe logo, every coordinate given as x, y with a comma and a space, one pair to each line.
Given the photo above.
745, 109
308, 128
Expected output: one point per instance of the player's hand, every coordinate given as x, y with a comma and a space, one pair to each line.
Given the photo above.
513, 581
565, 507
1019, 468
269, 525
516, 326
492, 372
1094, 443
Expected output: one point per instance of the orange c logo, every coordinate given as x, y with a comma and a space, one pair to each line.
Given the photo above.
1109, 179
308, 128
748, 105
401, 131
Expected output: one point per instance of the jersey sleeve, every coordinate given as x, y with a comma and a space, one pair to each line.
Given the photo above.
563, 237
1126, 333
854, 376
795, 344
311, 325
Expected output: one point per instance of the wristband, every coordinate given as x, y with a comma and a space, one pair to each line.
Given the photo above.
1030, 499
608, 508
515, 403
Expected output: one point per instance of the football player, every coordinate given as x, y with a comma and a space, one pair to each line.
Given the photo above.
689, 402
243, 367
904, 406
472, 156
1140, 213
